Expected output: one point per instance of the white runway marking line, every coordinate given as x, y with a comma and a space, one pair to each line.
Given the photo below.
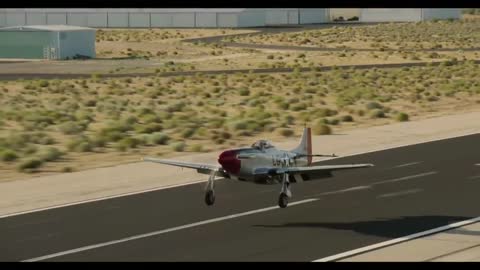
473, 177
136, 237
344, 190
400, 193
405, 178
407, 164
357, 251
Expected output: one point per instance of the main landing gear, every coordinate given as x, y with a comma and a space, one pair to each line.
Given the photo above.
210, 192
285, 193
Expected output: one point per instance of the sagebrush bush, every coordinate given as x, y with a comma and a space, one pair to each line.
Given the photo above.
51, 154
29, 164
402, 117
179, 146
8, 155
346, 118
159, 138
197, 148
373, 105
286, 132
127, 143
80, 144
71, 128
377, 113
321, 129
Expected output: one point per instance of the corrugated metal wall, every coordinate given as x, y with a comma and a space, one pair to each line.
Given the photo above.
251, 18
124, 18
276, 16
144, 18
390, 15
26, 44
206, 19
441, 13
227, 20
77, 42
313, 15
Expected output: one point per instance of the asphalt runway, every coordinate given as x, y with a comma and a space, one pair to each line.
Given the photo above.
411, 189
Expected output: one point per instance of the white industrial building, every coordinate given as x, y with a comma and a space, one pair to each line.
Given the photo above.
407, 14
162, 17
285, 16
206, 17
47, 42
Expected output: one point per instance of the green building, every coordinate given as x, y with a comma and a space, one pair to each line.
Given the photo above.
47, 42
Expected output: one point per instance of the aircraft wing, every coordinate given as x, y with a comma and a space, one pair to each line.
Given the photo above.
311, 169
200, 167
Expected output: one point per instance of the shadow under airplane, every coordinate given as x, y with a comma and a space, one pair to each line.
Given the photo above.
390, 228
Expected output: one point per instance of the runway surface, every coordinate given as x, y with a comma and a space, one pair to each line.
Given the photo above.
411, 189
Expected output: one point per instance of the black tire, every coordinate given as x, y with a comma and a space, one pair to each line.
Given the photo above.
209, 197
283, 200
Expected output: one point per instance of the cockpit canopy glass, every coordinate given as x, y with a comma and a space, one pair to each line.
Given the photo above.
262, 144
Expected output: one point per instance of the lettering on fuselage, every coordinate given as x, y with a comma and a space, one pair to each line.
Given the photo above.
282, 161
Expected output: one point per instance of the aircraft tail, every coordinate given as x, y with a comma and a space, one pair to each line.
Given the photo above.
305, 146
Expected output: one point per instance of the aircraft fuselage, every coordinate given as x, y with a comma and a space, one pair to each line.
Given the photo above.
242, 163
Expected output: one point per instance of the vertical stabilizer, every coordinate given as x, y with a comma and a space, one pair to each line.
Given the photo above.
305, 146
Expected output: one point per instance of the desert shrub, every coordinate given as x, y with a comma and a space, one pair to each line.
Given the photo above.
290, 120
244, 92
70, 128
8, 155
67, 169
283, 105
90, 103
321, 129
187, 133
432, 98
159, 138
99, 141
30, 149
346, 118
44, 83
333, 122
40, 138
373, 105
80, 144
197, 148
29, 164
239, 125
126, 143
324, 112
149, 128
377, 113
299, 107
179, 146
286, 132
51, 154
401, 117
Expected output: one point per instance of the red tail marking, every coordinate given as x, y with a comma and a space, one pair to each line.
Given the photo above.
309, 146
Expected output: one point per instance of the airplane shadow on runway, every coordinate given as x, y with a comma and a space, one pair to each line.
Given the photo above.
392, 228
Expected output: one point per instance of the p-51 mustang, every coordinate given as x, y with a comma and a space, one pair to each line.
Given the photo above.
262, 163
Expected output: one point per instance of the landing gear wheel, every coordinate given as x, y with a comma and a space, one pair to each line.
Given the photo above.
209, 197
283, 200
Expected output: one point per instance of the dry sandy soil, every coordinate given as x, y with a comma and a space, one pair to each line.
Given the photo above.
100, 122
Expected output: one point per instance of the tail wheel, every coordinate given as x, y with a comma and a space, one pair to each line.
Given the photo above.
209, 197
283, 200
